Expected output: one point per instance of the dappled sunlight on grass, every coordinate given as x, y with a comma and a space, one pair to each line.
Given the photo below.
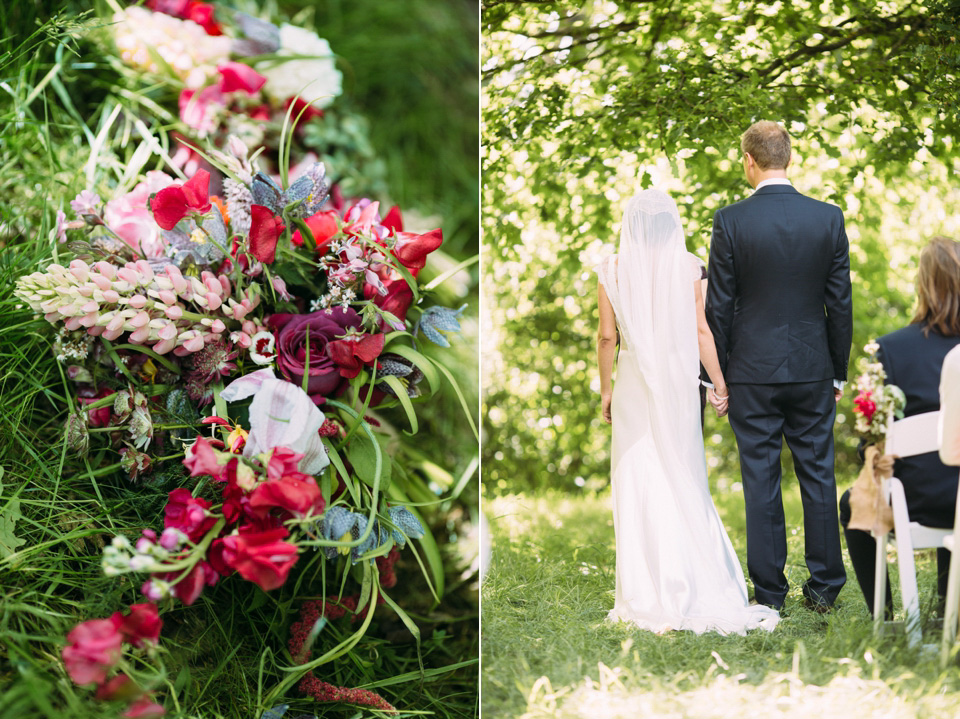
547, 651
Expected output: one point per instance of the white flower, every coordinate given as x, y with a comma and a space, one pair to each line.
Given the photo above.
262, 350
314, 77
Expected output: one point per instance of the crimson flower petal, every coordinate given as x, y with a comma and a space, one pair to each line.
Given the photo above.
169, 206
235, 76
197, 192
265, 230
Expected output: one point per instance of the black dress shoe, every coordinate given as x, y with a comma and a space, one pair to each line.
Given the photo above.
818, 607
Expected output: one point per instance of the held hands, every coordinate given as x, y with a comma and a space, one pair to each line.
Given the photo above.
720, 402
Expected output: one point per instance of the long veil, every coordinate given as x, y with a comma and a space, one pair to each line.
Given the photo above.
650, 285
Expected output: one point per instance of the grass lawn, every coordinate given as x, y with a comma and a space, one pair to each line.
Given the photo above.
547, 651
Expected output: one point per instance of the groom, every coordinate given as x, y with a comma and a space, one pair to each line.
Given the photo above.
778, 302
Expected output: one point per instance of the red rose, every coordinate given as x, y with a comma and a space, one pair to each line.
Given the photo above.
188, 514
261, 557
93, 649
323, 226
141, 625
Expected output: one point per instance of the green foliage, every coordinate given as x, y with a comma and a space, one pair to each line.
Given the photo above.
551, 583
587, 103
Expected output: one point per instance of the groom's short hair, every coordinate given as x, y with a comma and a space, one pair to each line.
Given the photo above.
768, 144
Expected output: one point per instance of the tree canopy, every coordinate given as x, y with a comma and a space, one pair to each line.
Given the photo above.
585, 103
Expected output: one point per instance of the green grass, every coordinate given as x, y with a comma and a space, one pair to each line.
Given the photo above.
547, 651
223, 654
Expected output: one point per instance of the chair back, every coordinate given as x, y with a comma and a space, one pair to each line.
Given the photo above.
913, 435
949, 430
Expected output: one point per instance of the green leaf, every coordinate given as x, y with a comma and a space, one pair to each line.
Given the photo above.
8, 520
363, 457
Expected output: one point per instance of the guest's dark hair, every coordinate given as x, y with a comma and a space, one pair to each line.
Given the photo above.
768, 144
938, 287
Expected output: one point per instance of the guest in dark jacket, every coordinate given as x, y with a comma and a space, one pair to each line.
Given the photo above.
912, 358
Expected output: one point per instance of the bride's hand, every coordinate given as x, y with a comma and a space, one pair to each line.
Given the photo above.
720, 403
605, 403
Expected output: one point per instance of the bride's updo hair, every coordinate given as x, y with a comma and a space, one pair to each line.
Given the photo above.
938, 287
768, 144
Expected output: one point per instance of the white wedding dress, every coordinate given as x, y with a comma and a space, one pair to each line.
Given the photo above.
676, 568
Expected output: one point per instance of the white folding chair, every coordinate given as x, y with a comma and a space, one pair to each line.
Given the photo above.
949, 435
906, 438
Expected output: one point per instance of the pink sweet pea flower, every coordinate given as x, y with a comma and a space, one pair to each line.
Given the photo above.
93, 649
323, 226
299, 495
199, 108
172, 204
140, 626
143, 708
261, 557
265, 230
202, 459
188, 514
412, 249
237, 77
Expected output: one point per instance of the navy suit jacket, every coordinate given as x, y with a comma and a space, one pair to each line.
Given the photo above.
779, 300
913, 362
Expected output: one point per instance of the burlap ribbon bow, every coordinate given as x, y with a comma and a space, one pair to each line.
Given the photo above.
869, 509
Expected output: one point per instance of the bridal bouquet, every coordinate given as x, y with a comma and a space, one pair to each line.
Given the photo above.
876, 403
239, 349
222, 72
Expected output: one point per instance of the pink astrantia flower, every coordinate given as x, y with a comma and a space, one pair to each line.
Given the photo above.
93, 649
173, 203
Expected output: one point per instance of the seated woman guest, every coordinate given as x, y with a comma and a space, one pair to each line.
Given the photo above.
912, 358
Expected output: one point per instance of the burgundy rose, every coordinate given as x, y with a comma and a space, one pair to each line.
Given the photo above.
294, 332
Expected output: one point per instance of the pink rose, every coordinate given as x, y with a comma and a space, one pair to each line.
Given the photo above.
93, 649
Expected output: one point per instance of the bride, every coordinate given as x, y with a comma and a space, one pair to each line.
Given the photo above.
676, 568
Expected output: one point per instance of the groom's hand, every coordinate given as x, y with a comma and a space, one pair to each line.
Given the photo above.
837, 394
